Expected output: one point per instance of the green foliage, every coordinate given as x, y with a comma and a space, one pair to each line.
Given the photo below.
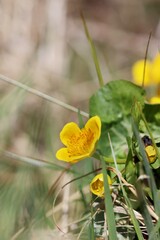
126, 118
113, 103
152, 113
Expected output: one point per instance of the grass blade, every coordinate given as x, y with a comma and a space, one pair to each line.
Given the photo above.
148, 170
149, 173
42, 95
94, 54
130, 209
110, 218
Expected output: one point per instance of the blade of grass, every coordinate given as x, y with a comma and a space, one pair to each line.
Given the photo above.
130, 209
148, 170
110, 218
146, 53
94, 54
32, 161
109, 159
80, 120
143, 208
42, 95
151, 180
91, 232
86, 224
154, 231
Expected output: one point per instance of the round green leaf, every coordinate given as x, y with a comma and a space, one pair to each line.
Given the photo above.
114, 100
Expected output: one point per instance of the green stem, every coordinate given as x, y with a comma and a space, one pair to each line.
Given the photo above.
111, 160
98, 156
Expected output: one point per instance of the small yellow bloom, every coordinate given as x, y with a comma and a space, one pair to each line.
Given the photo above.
152, 73
151, 153
155, 100
80, 143
138, 71
97, 185
155, 73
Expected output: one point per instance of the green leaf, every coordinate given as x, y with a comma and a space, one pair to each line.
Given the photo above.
130, 169
118, 131
114, 101
155, 165
152, 113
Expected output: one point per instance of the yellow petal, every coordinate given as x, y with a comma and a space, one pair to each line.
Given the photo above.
155, 70
64, 155
93, 128
94, 124
151, 153
155, 100
69, 130
138, 71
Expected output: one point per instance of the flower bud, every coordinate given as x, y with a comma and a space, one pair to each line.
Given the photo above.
97, 185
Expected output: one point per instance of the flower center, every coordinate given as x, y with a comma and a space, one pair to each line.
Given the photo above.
98, 186
80, 144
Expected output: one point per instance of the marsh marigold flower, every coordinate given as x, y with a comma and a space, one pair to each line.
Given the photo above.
80, 143
152, 73
151, 153
149, 148
97, 185
155, 100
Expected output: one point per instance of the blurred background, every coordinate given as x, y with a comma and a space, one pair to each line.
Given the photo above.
43, 45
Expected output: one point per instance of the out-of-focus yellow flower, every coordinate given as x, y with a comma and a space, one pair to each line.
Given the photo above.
97, 185
138, 71
152, 73
151, 153
155, 70
80, 143
155, 100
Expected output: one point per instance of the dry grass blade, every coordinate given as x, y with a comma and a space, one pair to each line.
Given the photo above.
42, 95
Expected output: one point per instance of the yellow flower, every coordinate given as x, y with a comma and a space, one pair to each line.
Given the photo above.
80, 143
97, 185
155, 73
151, 153
152, 73
155, 100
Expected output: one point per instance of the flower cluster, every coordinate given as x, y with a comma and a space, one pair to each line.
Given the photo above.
80, 144
121, 102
